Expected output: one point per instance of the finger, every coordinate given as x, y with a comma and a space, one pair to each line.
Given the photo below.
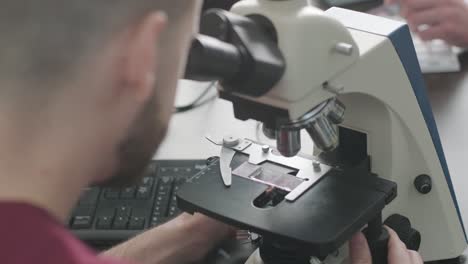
359, 250
408, 7
415, 257
431, 16
440, 31
450, 32
420, 4
397, 251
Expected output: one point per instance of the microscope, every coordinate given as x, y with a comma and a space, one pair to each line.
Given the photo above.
353, 83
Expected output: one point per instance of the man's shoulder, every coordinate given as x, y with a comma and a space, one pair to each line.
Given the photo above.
30, 235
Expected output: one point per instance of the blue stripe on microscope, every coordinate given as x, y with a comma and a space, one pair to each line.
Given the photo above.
403, 44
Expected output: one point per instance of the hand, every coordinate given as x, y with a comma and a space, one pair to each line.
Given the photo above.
185, 239
204, 226
437, 19
397, 251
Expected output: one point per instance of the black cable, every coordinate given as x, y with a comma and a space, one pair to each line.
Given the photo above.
197, 102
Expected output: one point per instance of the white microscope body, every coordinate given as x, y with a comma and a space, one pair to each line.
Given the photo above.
369, 64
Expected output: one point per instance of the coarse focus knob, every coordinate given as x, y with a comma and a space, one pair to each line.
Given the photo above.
402, 226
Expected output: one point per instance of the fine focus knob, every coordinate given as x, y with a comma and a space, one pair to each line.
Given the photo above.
402, 226
423, 184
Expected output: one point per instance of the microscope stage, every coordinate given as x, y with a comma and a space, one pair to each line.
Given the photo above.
321, 220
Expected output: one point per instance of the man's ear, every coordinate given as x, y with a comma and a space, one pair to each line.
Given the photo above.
141, 56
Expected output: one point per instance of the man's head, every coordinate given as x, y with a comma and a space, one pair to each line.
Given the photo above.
94, 79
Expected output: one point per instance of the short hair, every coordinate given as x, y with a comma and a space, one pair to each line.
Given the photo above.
44, 41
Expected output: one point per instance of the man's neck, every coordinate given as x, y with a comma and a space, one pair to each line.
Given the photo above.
48, 172
50, 152
41, 187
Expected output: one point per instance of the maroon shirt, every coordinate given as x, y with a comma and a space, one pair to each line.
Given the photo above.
29, 235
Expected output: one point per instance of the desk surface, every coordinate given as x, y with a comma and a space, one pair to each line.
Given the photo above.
185, 137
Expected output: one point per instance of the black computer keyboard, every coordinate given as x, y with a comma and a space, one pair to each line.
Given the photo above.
104, 217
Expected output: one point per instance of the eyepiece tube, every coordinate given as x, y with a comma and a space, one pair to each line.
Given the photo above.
211, 59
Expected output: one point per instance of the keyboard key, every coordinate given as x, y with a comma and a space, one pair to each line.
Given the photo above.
160, 208
163, 171
163, 195
152, 168
173, 204
163, 191
155, 221
81, 222
136, 223
166, 180
143, 192
89, 197
83, 211
104, 222
180, 180
111, 193
172, 211
128, 193
157, 214
147, 181
161, 204
124, 211
120, 222
165, 186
